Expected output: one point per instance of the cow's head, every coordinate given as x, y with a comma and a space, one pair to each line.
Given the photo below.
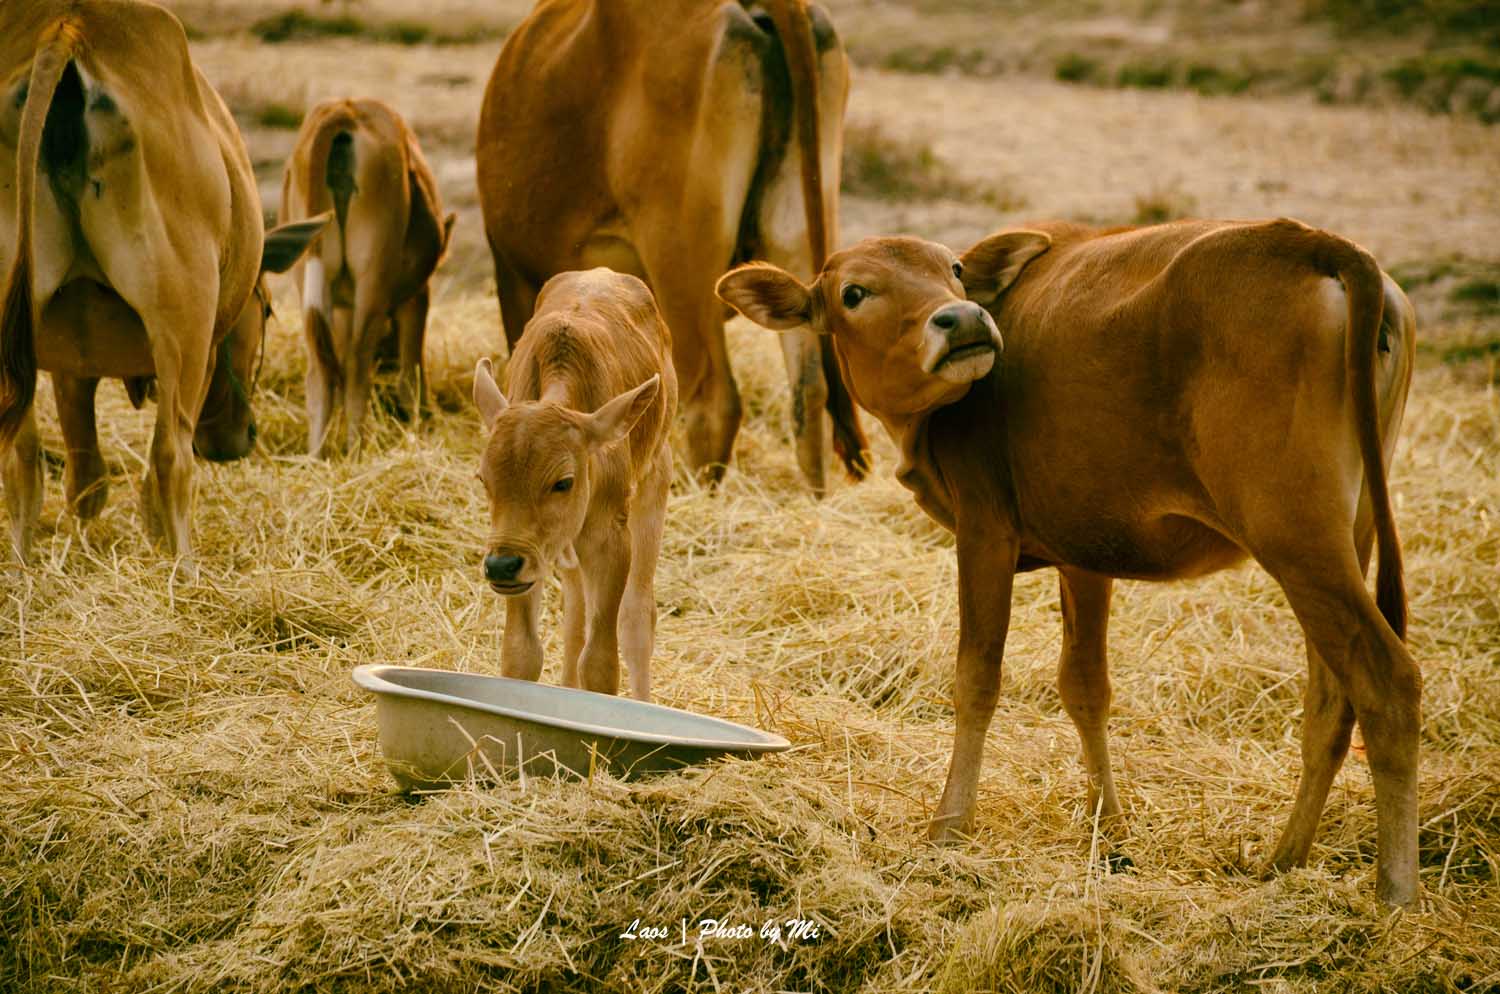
905, 313
226, 424
536, 470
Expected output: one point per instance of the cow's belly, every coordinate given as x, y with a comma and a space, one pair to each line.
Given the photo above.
89, 331
1169, 547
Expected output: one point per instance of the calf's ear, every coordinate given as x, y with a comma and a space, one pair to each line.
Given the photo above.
614, 420
771, 297
994, 263
487, 396
285, 244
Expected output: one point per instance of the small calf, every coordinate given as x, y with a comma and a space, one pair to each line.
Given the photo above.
583, 493
1170, 400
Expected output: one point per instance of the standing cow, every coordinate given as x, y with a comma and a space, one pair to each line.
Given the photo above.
1171, 400
369, 277
138, 257
670, 140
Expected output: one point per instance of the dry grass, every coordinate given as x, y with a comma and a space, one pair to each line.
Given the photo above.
192, 796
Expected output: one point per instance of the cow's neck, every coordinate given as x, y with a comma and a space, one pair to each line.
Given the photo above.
917, 471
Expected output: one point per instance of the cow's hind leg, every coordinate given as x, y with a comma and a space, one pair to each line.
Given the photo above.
517, 299
802, 351
411, 331
1327, 726
86, 477
372, 317
22, 466
1083, 682
1345, 628
638, 608
320, 380
180, 352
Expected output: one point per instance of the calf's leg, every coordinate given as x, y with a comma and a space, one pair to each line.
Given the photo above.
986, 572
605, 559
521, 648
22, 468
1347, 631
1083, 680
638, 607
574, 612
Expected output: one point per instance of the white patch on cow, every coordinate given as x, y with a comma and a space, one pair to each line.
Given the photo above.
313, 287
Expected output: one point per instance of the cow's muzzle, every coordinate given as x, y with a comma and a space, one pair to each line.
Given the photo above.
507, 573
962, 342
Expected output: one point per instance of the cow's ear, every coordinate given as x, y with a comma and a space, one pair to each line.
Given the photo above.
286, 243
487, 396
771, 297
614, 420
994, 263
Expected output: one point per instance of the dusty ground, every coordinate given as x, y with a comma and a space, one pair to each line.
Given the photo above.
193, 799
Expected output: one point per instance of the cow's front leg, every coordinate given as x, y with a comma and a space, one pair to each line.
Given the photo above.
521, 649
986, 570
606, 564
22, 466
86, 477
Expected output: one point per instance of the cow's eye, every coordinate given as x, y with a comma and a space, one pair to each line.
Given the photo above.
958, 270
853, 294
563, 486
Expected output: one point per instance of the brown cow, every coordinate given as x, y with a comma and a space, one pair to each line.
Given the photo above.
657, 139
370, 276
139, 255
1172, 399
583, 493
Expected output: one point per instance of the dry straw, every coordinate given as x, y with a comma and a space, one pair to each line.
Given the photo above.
192, 797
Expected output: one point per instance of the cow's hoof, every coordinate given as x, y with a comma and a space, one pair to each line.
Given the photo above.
1118, 862
947, 832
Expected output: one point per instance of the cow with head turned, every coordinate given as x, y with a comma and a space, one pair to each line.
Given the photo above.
132, 248
1154, 404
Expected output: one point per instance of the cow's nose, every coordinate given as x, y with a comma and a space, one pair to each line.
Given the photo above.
961, 320
502, 569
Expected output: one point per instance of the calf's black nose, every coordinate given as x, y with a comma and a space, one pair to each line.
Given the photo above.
502, 569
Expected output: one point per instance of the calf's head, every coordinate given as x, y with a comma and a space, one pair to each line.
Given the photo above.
905, 314
226, 424
537, 470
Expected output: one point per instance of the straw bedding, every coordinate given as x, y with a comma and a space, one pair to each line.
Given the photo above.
193, 800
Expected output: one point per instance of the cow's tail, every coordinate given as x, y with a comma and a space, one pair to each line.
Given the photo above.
794, 27
331, 178
18, 313
1364, 289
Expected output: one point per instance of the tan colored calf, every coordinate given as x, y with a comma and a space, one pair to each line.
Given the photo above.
370, 274
582, 493
133, 241
1171, 399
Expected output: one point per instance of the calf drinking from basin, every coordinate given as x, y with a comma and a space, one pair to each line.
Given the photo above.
582, 493
1169, 401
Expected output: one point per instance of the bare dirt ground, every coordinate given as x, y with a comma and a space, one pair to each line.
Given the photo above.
193, 799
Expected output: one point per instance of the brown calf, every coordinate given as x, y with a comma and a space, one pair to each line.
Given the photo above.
671, 140
370, 274
583, 493
1171, 399
136, 258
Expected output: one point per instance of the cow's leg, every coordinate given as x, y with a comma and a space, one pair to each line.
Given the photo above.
604, 553
1346, 629
575, 609
517, 298
683, 269
638, 609
1327, 726
86, 478
411, 331
24, 482
180, 352
371, 324
986, 571
1083, 680
521, 649
802, 351
320, 379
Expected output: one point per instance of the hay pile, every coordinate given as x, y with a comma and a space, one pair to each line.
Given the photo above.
192, 799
